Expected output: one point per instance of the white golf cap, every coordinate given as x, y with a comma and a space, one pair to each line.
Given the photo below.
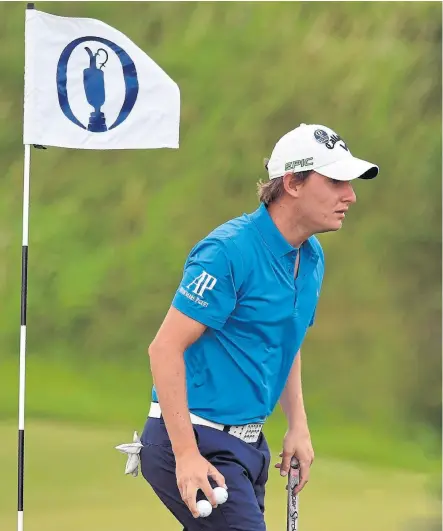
316, 147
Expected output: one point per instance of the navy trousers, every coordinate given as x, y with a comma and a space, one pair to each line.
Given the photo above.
244, 465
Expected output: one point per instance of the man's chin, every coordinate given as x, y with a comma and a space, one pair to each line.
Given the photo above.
331, 228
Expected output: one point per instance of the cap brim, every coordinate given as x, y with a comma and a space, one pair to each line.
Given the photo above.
349, 169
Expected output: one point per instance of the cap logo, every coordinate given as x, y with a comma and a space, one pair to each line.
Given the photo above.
321, 136
333, 140
299, 163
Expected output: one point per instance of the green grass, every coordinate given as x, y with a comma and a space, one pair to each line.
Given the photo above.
74, 480
109, 395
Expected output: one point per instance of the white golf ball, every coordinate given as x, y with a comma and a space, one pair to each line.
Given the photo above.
204, 508
221, 495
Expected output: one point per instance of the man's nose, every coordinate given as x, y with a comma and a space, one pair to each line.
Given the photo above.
349, 196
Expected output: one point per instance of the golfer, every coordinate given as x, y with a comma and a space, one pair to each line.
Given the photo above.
229, 347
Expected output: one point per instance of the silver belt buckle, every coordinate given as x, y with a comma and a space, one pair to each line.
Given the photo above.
248, 433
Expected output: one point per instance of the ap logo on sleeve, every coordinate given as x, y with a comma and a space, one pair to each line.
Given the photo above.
198, 286
202, 283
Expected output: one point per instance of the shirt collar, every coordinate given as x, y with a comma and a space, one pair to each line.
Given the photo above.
273, 238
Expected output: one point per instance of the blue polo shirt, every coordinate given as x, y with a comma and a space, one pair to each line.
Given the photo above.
239, 282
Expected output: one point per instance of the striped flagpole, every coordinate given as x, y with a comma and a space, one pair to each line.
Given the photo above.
24, 290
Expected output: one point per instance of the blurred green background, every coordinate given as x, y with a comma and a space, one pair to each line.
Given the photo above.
109, 232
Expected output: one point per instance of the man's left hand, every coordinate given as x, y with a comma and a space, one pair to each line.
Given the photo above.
297, 443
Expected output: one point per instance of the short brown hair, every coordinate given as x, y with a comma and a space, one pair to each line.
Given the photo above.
273, 189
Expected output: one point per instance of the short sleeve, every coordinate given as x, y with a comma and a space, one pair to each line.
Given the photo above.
208, 292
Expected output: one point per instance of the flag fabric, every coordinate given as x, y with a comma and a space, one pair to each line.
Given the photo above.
88, 86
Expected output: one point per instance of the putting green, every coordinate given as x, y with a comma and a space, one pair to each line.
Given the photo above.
74, 481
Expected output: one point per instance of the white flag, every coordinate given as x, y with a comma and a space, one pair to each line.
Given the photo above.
88, 86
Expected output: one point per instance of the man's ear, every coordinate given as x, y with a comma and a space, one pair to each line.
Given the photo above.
290, 184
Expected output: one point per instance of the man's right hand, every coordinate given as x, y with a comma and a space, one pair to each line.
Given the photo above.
192, 471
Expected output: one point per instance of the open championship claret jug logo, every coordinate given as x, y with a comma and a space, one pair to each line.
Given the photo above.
95, 60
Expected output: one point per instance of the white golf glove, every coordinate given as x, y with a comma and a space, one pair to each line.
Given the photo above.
132, 450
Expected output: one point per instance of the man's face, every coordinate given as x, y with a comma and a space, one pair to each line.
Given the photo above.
324, 202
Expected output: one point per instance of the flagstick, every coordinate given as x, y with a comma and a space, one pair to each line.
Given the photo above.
21, 406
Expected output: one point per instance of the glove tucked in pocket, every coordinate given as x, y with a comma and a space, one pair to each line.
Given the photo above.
132, 450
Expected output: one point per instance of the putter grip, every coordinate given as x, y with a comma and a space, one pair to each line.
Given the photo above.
293, 481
